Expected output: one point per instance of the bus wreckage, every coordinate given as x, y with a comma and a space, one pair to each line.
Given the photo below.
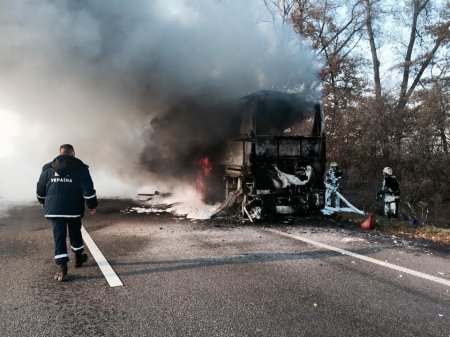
277, 162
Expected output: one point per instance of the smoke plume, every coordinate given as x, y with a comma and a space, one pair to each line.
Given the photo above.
140, 88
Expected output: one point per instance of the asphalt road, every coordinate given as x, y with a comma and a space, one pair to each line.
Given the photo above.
220, 278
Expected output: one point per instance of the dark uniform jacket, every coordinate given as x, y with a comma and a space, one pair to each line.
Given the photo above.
64, 187
390, 187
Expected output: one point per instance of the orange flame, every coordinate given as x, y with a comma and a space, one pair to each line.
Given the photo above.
204, 172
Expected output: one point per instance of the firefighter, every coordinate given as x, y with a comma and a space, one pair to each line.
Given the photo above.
390, 191
333, 183
63, 189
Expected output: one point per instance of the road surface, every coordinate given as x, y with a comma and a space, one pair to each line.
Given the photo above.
221, 278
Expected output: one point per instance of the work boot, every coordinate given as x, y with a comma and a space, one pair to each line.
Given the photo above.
61, 274
80, 259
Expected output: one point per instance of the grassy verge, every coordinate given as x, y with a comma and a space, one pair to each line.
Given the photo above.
436, 233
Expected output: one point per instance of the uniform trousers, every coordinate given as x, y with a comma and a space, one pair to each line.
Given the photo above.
60, 227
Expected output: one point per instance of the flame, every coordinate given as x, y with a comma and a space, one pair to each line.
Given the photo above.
203, 174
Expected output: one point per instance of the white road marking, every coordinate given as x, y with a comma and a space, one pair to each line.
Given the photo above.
365, 258
108, 272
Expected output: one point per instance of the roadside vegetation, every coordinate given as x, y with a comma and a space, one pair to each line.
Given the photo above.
386, 97
438, 232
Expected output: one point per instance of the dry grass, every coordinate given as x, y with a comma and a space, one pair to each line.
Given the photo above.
427, 232
436, 233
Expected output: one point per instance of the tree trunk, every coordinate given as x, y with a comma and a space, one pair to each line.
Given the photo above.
444, 140
373, 50
419, 6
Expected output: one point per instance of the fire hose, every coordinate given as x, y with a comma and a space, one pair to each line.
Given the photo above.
328, 210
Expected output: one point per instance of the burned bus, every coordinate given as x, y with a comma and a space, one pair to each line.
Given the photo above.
276, 163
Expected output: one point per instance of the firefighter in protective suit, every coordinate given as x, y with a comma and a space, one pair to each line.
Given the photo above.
333, 183
390, 191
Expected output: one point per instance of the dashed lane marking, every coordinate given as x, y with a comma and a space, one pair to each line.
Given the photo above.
364, 258
110, 275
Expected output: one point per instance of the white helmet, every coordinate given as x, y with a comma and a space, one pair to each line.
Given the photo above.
387, 170
333, 164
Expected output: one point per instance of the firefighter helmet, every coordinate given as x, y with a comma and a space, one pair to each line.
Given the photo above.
333, 164
387, 170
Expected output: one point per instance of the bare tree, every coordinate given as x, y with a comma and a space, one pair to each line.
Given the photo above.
373, 48
438, 34
333, 41
408, 128
282, 8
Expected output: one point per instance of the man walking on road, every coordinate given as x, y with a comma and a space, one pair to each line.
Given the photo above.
64, 187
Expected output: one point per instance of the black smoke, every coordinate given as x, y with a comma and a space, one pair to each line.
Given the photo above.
192, 127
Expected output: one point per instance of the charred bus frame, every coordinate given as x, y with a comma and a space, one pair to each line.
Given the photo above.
277, 164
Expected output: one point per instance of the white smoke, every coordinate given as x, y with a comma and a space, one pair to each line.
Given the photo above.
94, 74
